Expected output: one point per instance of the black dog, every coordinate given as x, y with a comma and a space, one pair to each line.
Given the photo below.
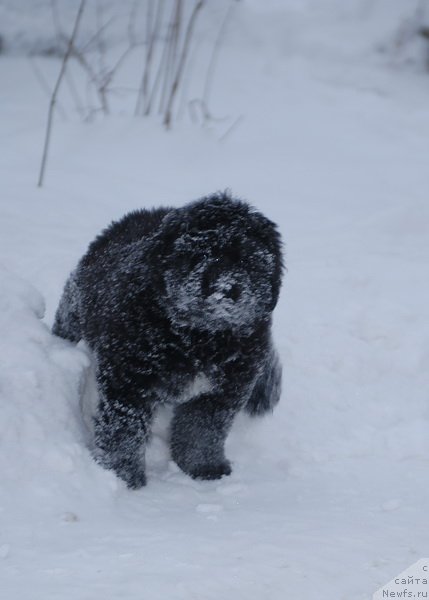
176, 306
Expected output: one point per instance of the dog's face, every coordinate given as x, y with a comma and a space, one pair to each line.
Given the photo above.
222, 271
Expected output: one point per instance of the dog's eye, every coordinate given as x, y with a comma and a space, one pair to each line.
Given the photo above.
194, 262
186, 262
234, 254
228, 255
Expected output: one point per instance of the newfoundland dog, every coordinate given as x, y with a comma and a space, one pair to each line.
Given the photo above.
176, 305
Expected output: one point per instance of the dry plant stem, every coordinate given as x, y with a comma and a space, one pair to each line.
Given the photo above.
149, 27
131, 23
104, 86
215, 54
44, 85
160, 71
187, 77
101, 50
175, 27
79, 54
152, 36
96, 35
56, 90
181, 64
93, 77
74, 94
231, 128
156, 84
201, 106
101, 46
57, 21
102, 78
148, 40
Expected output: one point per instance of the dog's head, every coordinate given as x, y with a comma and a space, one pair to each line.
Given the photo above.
221, 264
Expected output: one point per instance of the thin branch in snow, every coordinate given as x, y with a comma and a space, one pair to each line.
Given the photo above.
181, 64
152, 36
230, 129
44, 84
55, 92
74, 93
171, 45
215, 54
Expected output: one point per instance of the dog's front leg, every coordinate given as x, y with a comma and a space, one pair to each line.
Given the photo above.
120, 437
122, 425
198, 433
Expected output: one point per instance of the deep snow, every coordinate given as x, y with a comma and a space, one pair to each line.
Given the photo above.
329, 496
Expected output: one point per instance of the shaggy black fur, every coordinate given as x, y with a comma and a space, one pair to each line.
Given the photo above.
176, 306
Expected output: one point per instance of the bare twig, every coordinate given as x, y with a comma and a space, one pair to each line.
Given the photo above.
44, 84
153, 33
171, 53
200, 113
215, 54
57, 22
163, 62
167, 63
101, 52
56, 90
99, 39
94, 38
93, 76
186, 80
74, 93
108, 78
231, 128
132, 22
181, 63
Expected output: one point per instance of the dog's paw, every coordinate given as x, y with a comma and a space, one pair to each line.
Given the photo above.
209, 472
131, 472
135, 480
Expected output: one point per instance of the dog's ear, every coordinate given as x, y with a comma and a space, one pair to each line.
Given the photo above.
267, 233
162, 242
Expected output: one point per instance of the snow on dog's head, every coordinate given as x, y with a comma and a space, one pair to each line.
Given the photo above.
221, 264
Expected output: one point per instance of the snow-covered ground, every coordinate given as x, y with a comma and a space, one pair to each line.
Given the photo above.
329, 497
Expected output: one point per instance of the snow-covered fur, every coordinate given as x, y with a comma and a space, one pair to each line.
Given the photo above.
176, 306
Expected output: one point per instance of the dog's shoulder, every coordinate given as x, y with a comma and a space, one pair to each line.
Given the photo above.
134, 226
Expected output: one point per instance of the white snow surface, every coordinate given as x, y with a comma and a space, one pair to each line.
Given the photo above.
329, 496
